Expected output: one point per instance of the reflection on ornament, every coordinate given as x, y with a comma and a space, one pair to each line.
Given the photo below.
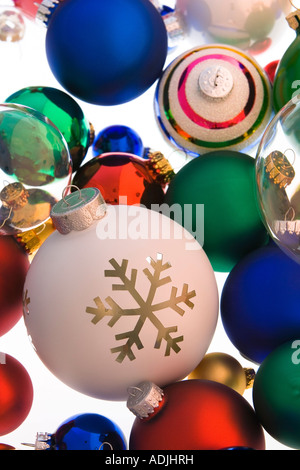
225, 369
118, 139
277, 178
12, 26
208, 416
213, 97
127, 178
137, 305
33, 154
270, 70
64, 112
31, 240
254, 25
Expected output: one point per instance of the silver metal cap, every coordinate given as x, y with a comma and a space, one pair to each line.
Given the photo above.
78, 211
144, 398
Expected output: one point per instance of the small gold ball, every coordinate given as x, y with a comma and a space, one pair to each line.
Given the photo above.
222, 368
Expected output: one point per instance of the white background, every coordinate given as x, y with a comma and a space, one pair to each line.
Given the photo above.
24, 64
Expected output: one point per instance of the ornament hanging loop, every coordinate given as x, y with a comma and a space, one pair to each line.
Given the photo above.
64, 193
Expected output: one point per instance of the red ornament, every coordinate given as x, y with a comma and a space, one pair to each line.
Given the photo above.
16, 394
28, 7
198, 415
14, 264
270, 70
6, 447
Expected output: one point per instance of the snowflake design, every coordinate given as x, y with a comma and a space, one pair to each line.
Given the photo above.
147, 308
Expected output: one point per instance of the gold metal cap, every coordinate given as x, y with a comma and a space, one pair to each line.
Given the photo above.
159, 167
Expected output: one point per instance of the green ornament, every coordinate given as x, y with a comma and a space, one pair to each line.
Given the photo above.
287, 78
223, 184
64, 112
276, 394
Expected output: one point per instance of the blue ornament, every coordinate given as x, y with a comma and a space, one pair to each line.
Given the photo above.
118, 139
88, 432
260, 302
106, 52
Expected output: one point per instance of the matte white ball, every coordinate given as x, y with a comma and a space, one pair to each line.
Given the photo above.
133, 297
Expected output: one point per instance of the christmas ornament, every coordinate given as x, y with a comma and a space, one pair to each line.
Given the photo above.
14, 265
276, 394
118, 139
213, 97
192, 414
270, 70
31, 240
223, 184
16, 395
35, 167
225, 369
277, 176
115, 65
144, 302
12, 26
6, 447
253, 26
286, 84
124, 178
259, 302
64, 112
87, 431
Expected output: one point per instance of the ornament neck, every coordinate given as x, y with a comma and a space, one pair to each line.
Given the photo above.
216, 82
293, 20
46, 10
145, 400
14, 196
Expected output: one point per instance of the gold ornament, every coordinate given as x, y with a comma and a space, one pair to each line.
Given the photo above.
225, 369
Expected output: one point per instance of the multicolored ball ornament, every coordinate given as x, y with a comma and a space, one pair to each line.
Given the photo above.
211, 98
253, 26
218, 194
192, 415
118, 138
286, 82
64, 112
143, 303
225, 369
35, 168
259, 302
277, 176
16, 395
113, 53
87, 431
276, 393
124, 178
14, 265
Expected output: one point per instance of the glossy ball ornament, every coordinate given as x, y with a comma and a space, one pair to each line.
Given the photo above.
222, 368
256, 27
118, 139
14, 265
35, 168
16, 395
195, 415
124, 178
6, 447
143, 303
112, 54
211, 98
276, 393
259, 302
88, 431
286, 82
64, 112
278, 178
223, 183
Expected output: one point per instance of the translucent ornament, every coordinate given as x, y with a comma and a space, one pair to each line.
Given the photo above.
278, 178
12, 25
255, 26
64, 112
35, 168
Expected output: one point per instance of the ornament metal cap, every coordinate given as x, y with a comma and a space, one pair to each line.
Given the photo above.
78, 211
144, 398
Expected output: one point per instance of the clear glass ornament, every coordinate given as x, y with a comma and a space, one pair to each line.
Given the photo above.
278, 178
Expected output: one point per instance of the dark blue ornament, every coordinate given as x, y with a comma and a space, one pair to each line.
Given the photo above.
106, 52
88, 432
118, 139
260, 302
